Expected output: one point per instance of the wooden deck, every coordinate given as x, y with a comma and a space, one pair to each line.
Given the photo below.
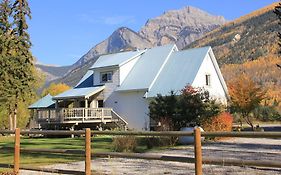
78, 115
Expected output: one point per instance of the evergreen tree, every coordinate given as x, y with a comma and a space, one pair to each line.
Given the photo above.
7, 44
17, 69
23, 72
5, 13
277, 11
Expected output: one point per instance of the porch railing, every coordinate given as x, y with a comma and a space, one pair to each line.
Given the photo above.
74, 114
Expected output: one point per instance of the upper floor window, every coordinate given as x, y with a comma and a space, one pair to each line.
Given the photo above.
106, 77
208, 79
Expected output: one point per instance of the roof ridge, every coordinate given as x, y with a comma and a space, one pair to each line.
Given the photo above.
162, 66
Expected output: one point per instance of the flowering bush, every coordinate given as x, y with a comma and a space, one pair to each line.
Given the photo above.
221, 122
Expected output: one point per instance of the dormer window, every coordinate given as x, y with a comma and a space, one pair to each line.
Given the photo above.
106, 77
208, 79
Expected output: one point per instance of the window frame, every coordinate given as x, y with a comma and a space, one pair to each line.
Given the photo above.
107, 77
208, 79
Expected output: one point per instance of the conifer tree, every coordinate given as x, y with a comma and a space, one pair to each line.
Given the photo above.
277, 11
5, 13
7, 44
17, 69
23, 71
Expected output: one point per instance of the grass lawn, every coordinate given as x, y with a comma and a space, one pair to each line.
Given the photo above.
99, 144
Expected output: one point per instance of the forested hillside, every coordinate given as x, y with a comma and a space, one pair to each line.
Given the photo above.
249, 44
247, 38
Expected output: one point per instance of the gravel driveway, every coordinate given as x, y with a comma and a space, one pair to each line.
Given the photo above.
237, 148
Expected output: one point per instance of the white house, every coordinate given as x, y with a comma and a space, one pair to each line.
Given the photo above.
118, 87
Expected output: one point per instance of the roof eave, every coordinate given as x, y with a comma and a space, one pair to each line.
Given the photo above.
111, 66
68, 97
131, 90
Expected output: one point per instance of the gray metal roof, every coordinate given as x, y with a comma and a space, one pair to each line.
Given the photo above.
45, 102
79, 93
179, 71
116, 59
146, 68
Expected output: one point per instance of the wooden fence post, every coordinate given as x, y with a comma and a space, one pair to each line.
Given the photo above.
88, 152
198, 151
17, 152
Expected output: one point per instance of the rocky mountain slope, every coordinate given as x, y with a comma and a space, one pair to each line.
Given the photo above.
180, 26
176, 26
53, 72
121, 39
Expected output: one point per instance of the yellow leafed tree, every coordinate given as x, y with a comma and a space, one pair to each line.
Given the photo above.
245, 96
55, 89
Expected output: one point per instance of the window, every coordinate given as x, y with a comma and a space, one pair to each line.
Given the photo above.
105, 77
100, 103
208, 79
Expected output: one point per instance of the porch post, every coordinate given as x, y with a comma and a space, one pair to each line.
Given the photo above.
86, 108
57, 111
49, 116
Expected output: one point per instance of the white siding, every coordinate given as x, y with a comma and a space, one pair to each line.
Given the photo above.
215, 89
110, 86
126, 68
132, 107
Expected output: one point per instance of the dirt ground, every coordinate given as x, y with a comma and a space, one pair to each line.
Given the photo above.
236, 148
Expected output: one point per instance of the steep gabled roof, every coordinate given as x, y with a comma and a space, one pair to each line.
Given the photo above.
147, 68
180, 70
45, 102
116, 59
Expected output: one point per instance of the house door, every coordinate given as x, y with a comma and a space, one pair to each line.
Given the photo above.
100, 103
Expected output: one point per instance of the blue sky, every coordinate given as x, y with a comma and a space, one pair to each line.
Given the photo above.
64, 30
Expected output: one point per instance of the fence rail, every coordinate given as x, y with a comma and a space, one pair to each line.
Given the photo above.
198, 160
247, 134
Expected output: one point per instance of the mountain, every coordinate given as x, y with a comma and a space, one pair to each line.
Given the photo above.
52, 72
244, 39
176, 26
180, 26
121, 39
248, 45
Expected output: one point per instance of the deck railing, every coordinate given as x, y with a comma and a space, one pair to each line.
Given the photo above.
74, 114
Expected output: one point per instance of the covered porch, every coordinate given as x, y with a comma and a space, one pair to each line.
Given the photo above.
76, 106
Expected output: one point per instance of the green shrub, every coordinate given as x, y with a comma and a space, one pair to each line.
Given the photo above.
267, 113
125, 144
191, 105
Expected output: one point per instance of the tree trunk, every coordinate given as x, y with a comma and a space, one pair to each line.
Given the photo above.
15, 115
240, 121
11, 127
249, 122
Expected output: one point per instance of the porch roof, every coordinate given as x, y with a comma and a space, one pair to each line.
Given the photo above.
45, 102
79, 93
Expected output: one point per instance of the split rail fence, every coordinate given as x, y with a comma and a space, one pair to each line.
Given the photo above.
197, 160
